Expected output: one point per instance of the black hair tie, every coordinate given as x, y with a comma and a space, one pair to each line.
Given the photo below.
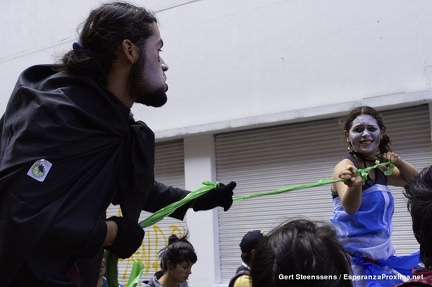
77, 46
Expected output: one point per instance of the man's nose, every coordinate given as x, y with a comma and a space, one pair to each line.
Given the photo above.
164, 65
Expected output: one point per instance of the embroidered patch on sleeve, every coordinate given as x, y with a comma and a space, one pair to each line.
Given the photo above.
39, 170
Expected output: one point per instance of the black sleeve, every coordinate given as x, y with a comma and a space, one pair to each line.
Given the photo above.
162, 195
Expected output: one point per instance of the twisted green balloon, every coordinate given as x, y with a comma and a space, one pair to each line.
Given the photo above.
362, 172
112, 259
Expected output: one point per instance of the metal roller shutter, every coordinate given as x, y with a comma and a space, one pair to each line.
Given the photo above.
169, 169
269, 158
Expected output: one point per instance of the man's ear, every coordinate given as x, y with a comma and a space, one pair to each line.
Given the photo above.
129, 50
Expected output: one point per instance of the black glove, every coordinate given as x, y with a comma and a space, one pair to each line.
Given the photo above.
221, 196
129, 237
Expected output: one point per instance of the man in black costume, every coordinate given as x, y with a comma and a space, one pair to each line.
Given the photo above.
69, 147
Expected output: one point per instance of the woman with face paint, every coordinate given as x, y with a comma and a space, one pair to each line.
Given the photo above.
363, 211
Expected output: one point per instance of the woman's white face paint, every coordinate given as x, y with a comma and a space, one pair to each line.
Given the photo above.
365, 135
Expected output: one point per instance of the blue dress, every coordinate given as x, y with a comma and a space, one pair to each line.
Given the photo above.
366, 235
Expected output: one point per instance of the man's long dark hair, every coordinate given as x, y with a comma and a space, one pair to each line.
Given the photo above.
102, 32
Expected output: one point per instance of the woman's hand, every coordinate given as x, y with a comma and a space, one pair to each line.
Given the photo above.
350, 177
350, 188
404, 172
390, 157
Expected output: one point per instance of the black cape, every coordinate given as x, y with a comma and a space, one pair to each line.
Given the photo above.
68, 148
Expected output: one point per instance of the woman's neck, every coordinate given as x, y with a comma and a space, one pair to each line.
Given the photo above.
368, 160
167, 281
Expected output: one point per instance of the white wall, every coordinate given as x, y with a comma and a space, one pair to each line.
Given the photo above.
240, 63
231, 60
236, 59
202, 225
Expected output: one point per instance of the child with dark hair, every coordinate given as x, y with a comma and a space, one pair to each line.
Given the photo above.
249, 242
300, 253
176, 261
419, 194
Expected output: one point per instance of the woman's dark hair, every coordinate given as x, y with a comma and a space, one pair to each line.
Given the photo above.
102, 32
177, 251
300, 248
419, 195
346, 122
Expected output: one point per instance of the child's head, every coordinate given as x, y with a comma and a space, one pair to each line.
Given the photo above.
296, 248
419, 194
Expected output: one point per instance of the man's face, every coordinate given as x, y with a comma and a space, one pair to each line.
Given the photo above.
147, 80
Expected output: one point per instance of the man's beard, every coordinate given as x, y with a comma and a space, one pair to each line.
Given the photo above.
138, 90
155, 99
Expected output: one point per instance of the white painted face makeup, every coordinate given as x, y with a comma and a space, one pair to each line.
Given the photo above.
365, 135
